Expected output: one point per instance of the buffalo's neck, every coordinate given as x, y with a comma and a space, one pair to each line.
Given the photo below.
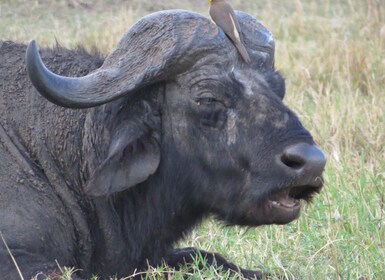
143, 223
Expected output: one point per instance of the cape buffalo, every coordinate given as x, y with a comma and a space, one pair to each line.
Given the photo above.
169, 128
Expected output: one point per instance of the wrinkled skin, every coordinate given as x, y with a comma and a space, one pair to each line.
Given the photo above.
231, 118
110, 189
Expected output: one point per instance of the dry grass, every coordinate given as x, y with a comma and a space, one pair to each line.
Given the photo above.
332, 54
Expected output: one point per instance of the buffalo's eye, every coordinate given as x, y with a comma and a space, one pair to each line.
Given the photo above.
210, 109
206, 101
209, 92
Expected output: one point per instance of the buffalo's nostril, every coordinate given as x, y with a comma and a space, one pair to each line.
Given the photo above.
292, 161
304, 157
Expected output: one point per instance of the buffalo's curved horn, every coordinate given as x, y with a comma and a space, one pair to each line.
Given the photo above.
156, 48
64, 91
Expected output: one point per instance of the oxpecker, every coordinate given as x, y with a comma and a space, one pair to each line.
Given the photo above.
224, 17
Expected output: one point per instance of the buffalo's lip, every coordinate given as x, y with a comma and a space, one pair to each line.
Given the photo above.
288, 199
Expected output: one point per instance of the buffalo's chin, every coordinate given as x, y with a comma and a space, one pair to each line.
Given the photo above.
280, 207
284, 206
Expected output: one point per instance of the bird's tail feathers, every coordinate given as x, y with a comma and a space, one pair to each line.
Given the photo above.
243, 52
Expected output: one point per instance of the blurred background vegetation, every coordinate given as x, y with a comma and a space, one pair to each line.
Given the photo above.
332, 55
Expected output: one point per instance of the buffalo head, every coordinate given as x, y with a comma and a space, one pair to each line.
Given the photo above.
184, 107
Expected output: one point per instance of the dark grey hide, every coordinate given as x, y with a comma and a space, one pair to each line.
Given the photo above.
170, 128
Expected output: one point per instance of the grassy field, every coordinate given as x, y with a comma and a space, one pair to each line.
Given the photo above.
332, 54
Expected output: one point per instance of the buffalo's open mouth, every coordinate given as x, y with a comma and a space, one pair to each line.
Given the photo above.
290, 197
285, 206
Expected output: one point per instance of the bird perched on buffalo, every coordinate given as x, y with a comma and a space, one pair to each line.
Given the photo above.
224, 17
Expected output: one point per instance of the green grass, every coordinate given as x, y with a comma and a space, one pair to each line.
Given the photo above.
333, 56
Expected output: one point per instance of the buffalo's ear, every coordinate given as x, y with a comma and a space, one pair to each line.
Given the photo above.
134, 154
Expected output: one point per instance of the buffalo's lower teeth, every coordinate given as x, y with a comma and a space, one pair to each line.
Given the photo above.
276, 203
